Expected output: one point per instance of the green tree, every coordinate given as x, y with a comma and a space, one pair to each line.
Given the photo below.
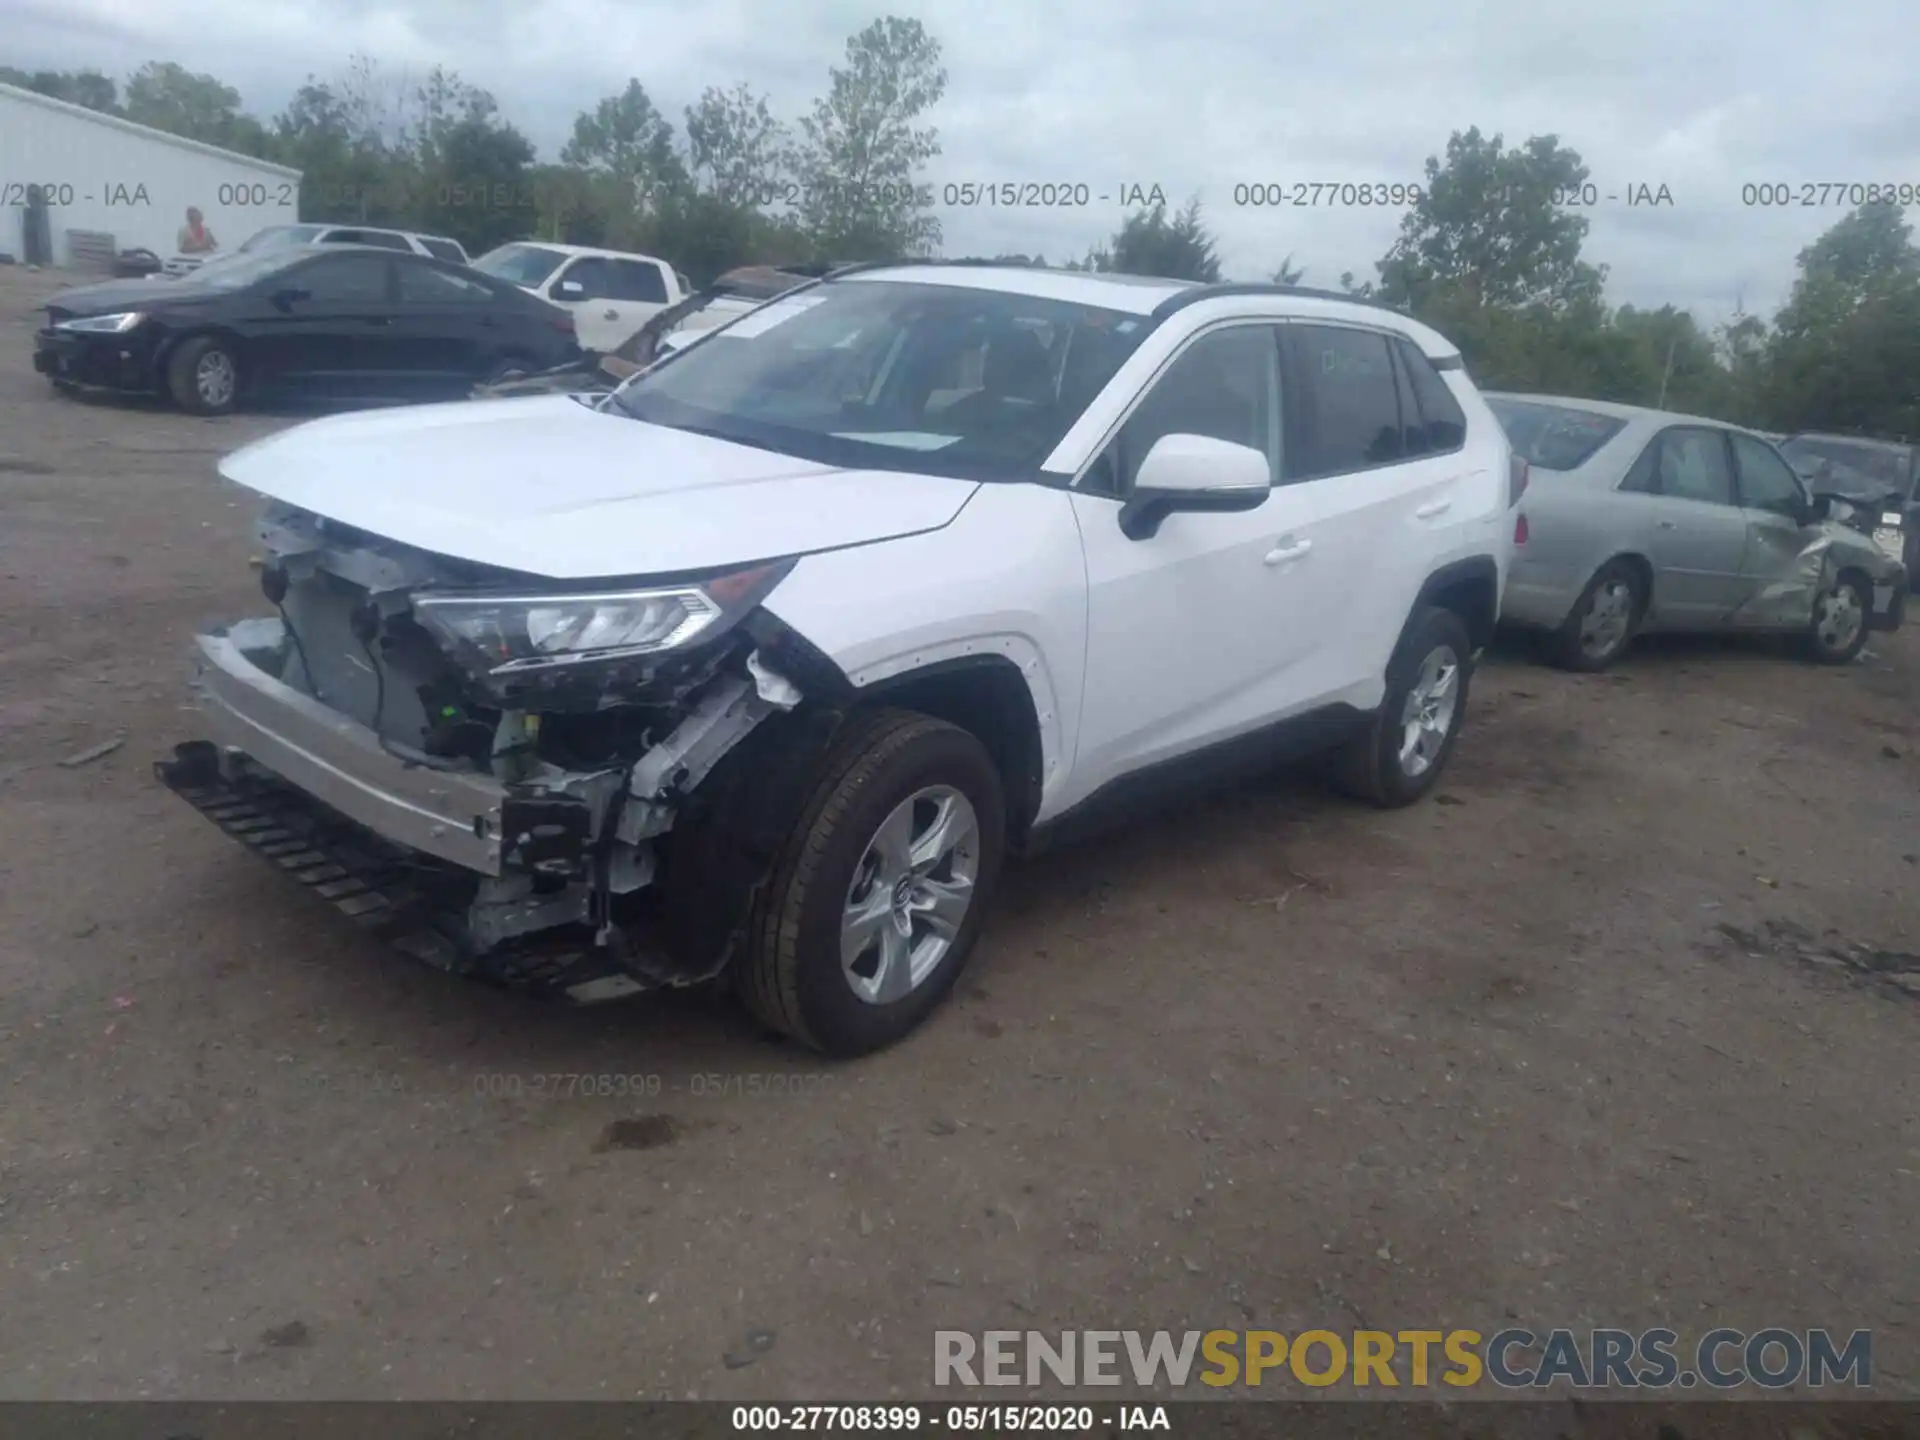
627, 139
170, 97
77, 87
737, 151
1178, 247
1846, 345
860, 151
1488, 226
1288, 273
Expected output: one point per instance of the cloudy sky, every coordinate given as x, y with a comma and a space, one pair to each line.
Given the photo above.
1198, 96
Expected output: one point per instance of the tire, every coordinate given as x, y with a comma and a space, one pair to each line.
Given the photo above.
794, 975
1838, 630
203, 376
1378, 765
1602, 623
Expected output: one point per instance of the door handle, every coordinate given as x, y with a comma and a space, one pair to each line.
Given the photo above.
1669, 525
378, 319
609, 314
1287, 549
1432, 508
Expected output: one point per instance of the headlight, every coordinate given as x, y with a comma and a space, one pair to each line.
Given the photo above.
104, 324
508, 634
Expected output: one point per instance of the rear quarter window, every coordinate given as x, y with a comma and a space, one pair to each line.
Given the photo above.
1554, 437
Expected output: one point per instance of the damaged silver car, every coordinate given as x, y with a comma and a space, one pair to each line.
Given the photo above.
1641, 520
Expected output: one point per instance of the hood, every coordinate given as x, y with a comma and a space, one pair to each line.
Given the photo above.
547, 486
114, 295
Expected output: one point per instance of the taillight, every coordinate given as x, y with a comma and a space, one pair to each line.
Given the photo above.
1517, 474
1520, 531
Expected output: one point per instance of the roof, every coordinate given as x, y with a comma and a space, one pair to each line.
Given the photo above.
1619, 412
1131, 294
557, 248
81, 112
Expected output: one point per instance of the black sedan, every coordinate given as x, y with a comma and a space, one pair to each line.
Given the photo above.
344, 323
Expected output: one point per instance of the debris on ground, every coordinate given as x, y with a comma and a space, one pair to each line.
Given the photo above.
642, 1132
287, 1336
95, 752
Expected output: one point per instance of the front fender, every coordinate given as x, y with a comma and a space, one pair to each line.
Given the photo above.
1005, 579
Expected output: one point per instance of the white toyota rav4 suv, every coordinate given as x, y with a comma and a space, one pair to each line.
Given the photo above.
761, 665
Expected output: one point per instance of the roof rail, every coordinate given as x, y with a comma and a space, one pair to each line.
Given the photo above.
1197, 293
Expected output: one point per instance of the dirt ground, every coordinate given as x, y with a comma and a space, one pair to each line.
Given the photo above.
1548, 1051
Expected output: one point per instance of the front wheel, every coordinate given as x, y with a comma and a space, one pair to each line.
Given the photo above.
1839, 628
203, 376
878, 894
1399, 757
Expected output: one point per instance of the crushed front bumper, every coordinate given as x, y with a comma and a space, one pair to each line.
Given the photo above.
403, 850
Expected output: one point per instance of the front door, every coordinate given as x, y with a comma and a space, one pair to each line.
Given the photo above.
1194, 633
601, 319
1784, 557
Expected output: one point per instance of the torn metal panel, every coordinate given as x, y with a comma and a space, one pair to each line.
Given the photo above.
723, 717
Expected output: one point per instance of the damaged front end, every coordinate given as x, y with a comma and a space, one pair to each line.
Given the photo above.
480, 767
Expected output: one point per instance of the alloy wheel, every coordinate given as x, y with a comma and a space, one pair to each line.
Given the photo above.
1426, 719
213, 378
1837, 618
910, 894
1603, 626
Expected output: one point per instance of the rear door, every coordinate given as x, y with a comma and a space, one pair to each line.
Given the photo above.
1384, 489
446, 329
334, 330
1691, 524
1778, 575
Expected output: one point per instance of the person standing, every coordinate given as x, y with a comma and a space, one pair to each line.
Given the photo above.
195, 237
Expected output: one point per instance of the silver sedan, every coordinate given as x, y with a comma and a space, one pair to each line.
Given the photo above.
1641, 520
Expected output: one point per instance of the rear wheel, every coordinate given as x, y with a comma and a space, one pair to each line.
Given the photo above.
1838, 631
879, 891
1399, 757
203, 376
1602, 622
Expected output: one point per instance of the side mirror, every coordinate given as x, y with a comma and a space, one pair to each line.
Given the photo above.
1193, 472
1817, 507
288, 295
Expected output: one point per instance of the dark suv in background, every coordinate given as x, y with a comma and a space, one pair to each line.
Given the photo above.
1882, 475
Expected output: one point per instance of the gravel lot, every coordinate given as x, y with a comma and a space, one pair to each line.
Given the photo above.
1564, 1048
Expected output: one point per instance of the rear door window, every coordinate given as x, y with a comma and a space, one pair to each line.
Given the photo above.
1346, 414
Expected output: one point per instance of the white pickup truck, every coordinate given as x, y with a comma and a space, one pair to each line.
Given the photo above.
611, 293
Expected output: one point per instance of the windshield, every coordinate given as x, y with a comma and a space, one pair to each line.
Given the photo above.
526, 265
1849, 467
276, 237
937, 379
1553, 437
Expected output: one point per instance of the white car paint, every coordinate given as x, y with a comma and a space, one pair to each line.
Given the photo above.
603, 322
1133, 651
548, 486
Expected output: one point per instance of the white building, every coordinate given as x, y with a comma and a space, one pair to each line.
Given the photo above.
104, 176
